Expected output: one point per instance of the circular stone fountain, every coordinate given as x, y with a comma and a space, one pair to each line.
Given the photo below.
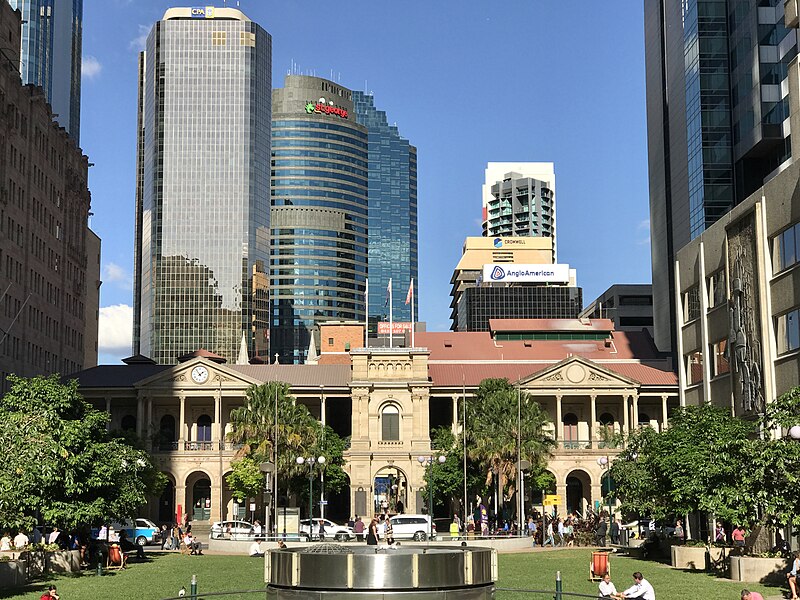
337, 572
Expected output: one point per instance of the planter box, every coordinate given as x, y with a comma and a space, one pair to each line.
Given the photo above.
759, 570
12, 574
700, 558
65, 561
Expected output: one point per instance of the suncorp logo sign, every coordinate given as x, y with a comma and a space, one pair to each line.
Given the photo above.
526, 273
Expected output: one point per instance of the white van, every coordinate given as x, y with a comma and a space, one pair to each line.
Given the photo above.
412, 527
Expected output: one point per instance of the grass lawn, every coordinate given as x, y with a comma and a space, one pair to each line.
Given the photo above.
163, 576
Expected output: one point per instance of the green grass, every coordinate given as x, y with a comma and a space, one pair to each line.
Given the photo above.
163, 576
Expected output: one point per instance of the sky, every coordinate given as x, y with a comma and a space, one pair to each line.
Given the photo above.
466, 81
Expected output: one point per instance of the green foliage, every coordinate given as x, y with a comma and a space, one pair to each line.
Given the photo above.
245, 479
708, 460
492, 428
448, 477
60, 465
298, 434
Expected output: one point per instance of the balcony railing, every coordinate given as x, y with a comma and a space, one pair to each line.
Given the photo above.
587, 445
197, 446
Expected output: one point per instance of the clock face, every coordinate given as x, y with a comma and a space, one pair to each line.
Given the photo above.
199, 374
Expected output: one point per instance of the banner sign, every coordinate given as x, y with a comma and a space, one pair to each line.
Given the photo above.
510, 272
399, 327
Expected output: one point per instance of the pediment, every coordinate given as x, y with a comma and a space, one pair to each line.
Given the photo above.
180, 377
578, 372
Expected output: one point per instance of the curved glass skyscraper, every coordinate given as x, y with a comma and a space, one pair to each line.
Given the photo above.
319, 215
202, 205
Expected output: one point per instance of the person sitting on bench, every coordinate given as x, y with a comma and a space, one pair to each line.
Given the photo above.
193, 545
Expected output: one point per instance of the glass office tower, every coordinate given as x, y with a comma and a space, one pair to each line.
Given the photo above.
202, 203
50, 55
319, 215
392, 212
717, 121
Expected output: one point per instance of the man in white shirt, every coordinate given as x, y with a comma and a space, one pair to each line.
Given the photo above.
20, 540
53, 537
255, 549
641, 588
607, 589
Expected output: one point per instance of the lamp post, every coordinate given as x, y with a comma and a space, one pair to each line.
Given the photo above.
794, 432
310, 462
267, 468
426, 462
605, 464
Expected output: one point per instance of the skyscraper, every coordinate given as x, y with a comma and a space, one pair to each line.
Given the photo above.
392, 211
50, 55
519, 200
202, 202
717, 121
319, 212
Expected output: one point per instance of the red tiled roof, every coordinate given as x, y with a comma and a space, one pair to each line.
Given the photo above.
551, 325
479, 345
298, 375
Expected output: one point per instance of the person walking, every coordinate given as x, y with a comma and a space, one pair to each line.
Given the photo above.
372, 533
601, 532
321, 530
738, 536
165, 537
549, 535
358, 529
388, 531
614, 532
792, 575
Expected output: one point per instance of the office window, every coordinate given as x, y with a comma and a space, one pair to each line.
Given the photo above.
720, 352
717, 292
694, 367
691, 304
788, 331
785, 248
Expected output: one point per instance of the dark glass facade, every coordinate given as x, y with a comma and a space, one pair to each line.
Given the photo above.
202, 222
319, 214
50, 56
716, 120
392, 212
476, 305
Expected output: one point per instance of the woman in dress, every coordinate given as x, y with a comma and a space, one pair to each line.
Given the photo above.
372, 533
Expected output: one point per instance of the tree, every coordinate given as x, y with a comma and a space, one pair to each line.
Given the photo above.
60, 464
298, 434
492, 428
245, 479
448, 477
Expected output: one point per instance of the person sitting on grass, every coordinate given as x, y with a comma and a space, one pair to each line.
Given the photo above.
255, 549
50, 594
748, 595
607, 588
641, 588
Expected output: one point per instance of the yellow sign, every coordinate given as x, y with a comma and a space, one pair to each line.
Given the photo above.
552, 500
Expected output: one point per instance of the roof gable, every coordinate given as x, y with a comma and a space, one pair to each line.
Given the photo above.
180, 375
578, 372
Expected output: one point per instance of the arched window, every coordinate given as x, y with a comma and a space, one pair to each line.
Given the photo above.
203, 428
644, 419
390, 423
128, 423
607, 420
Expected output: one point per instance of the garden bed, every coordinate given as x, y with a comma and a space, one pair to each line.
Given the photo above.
701, 558
761, 570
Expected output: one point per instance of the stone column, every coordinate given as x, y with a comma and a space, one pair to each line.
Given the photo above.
663, 412
592, 418
559, 421
625, 419
216, 434
216, 502
322, 406
149, 424
635, 410
182, 423
108, 410
455, 424
561, 490
139, 415
180, 496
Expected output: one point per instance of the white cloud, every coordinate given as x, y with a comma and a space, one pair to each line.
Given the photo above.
644, 224
138, 43
115, 333
90, 67
113, 273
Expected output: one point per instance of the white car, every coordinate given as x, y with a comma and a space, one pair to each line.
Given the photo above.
233, 530
340, 533
412, 527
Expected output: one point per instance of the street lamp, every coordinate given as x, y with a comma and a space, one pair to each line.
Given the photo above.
606, 466
310, 462
794, 432
426, 462
267, 468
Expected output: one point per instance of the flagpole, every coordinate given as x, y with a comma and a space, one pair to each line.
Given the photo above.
412, 312
391, 319
366, 314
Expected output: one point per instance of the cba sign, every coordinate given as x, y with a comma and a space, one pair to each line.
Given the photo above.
200, 12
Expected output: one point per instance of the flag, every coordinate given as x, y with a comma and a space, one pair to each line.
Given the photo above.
388, 293
410, 293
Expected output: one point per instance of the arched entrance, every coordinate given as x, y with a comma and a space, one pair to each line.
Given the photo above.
390, 491
200, 497
578, 492
166, 503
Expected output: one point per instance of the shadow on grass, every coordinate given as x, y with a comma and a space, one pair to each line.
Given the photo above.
40, 585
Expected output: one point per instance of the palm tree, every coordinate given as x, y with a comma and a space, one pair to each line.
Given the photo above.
492, 432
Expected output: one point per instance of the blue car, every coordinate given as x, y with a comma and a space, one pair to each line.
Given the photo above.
140, 531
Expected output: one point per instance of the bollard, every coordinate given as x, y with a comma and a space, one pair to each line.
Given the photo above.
193, 588
558, 585
99, 566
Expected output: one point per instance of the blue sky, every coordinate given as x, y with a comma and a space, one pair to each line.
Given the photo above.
466, 81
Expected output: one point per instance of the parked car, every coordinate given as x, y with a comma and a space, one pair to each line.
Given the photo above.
340, 533
141, 531
234, 530
413, 527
